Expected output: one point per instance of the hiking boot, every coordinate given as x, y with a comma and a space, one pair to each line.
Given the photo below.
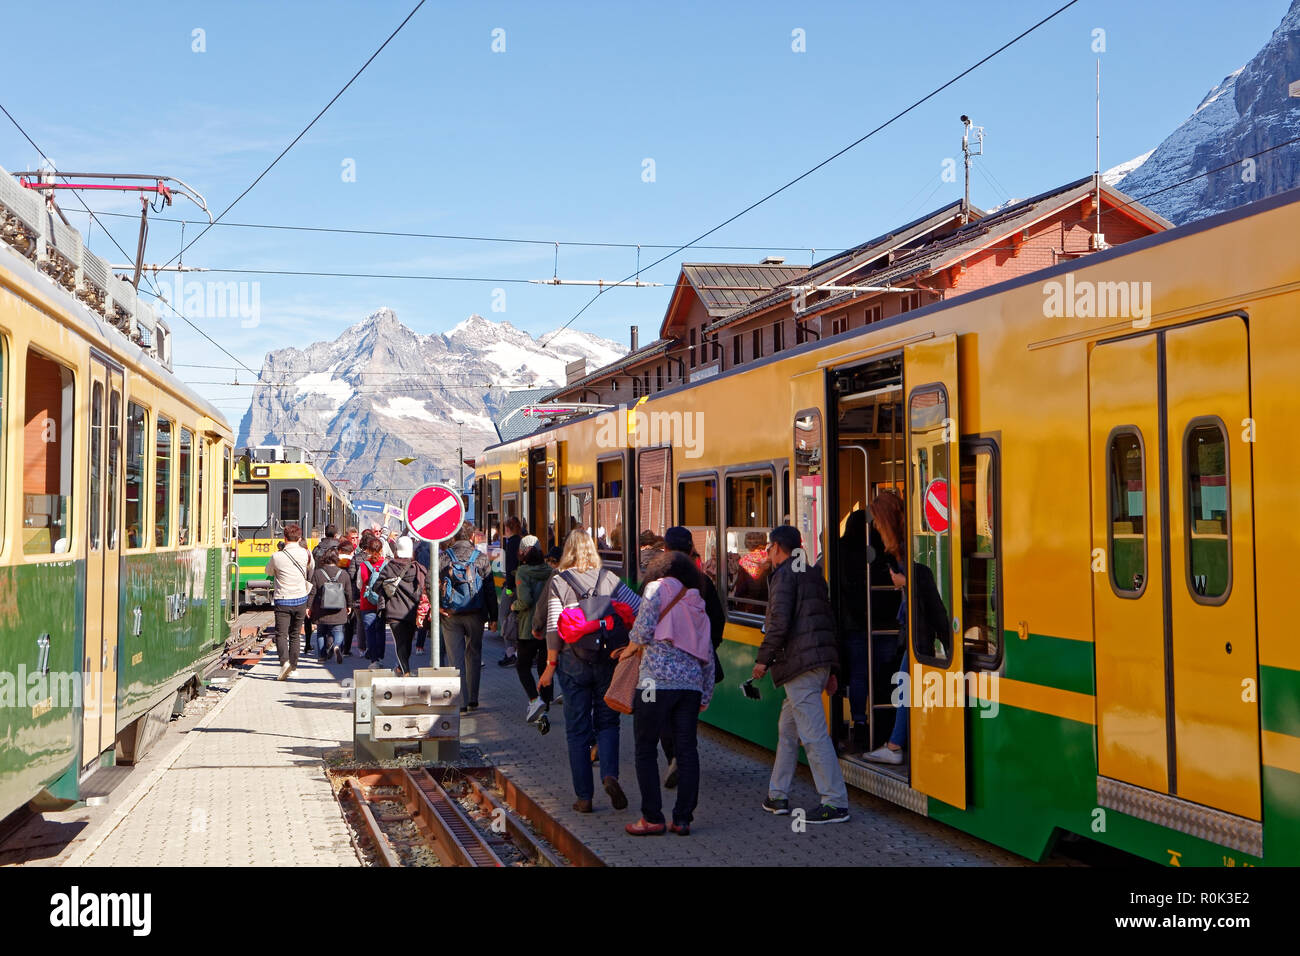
616, 794
779, 807
828, 814
670, 782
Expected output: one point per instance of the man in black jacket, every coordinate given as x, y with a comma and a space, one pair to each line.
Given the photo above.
680, 539
800, 650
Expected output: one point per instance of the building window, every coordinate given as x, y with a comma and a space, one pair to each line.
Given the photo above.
800, 334
137, 519
840, 324
873, 314
910, 301
717, 347
692, 348
980, 578
697, 511
1126, 484
162, 486
613, 387
609, 510
636, 387
737, 348
778, 337
758, 343
751, 513
1209, 532
659, 378
645, 383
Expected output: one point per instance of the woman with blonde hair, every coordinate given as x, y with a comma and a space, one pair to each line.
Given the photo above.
583, 679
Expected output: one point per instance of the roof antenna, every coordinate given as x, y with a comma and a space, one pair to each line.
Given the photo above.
968, 154
1098, 238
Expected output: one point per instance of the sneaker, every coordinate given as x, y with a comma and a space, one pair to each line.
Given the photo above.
535, 708
616, 795
544, 725
780, 807
670, 782
507, 661
828, 814
284, 671
338, 654
883, 754
474, 706
375, 666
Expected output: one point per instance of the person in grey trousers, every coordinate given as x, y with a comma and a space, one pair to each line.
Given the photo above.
462, 629
800, 651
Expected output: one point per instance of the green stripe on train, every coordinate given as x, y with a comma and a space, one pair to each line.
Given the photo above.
1050, 661
1279, 700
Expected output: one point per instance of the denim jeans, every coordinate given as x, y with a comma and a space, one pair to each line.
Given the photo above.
376, 639
899, 737
855, 646
804, 721
584, 686
674, 714
328, 636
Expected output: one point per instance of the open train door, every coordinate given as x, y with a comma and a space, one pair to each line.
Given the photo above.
936, 692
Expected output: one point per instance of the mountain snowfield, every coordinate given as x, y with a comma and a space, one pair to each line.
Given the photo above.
382, 391
1247, 112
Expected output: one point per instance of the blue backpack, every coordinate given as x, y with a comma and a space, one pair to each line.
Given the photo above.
462, 587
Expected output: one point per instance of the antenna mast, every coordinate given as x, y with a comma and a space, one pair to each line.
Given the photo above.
967, 154
1098, 238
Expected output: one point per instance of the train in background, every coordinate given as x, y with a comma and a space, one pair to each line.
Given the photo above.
117, 578
1104, 504
277, 485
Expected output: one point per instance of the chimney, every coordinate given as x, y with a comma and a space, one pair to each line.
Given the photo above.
634, 338
773, 261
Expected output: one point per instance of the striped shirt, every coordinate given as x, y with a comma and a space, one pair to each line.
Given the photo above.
560, 596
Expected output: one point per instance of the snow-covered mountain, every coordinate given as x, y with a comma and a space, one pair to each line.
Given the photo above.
381, 391
1247, 112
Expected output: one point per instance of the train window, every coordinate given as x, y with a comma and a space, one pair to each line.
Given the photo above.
251, 503
609, 510
654, 482
290, 505
200, 524
930, 534
186, 487
980, 579
578, 511
137, 435
114, 466
751, 513
1209, 531
96, 459
806, 510
697, 510
225, 495
47, 457
162, 496
1126, 488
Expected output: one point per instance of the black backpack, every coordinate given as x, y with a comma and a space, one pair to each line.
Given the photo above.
612, 633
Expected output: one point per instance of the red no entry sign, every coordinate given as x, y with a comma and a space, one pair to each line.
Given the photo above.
434, 513
936, 505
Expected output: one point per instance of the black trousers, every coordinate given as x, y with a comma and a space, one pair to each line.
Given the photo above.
403, 635
288, 626
349, 629
532, 655
677, 712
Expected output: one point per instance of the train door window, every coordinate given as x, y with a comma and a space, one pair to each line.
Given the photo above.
981, 577
114, 465
930, 534
200, 525
1209, 544
185, 483
96, 460
1126, 484
162, 495
654, 483
697, 511
225, 495
493, 507
609, 510
806, 509
290, 505
47, 457
137, 429
577, 510
750, 515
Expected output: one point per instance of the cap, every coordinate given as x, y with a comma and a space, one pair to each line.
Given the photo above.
679, 539
405, 547
529, 541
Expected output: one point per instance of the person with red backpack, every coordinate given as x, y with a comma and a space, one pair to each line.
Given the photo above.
468, 600
371, 603
588, 613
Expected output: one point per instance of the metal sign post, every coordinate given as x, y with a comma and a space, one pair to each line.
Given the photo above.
435, 607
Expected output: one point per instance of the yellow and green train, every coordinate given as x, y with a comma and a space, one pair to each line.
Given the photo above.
275, 486
116, 559
1115, 555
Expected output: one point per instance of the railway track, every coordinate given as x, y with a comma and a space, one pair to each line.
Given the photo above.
473, 817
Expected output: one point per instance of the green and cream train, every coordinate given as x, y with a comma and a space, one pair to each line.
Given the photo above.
116, 561
1116, 553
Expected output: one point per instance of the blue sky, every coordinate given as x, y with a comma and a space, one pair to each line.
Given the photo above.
547, 139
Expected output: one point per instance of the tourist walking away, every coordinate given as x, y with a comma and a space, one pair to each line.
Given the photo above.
423, 551
853, 574
531, 579
584, 667
681, 540
371, 603
800, 650
332, 600
671, 636
510, 555
291, 567
348, 548
404, 584
931, 615
354, 569
468, 600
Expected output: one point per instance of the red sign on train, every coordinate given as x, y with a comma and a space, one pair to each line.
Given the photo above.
434, 513
936, 506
